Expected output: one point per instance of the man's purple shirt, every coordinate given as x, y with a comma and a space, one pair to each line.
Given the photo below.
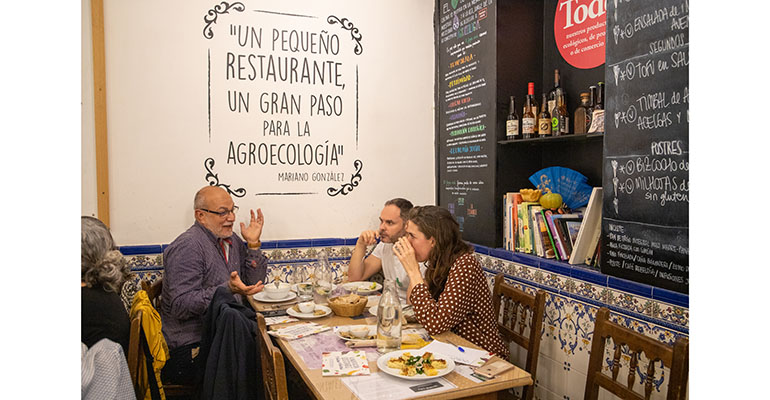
194, 267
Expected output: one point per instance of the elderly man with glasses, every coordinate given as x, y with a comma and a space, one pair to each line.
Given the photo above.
206, 256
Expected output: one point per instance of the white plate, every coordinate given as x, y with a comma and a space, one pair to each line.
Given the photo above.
382, 364
293, 313
294, 287
262, 296
408, 312
362, 287
345, 328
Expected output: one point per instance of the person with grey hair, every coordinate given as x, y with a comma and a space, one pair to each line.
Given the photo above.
392, 226
207, 256
102, 274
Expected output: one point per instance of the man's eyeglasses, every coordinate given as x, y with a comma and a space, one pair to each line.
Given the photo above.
222, 214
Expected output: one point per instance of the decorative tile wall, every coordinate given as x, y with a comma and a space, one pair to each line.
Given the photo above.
573, 296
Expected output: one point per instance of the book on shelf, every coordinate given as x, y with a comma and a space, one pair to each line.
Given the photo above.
510, 219
550, 234
589, 228
535, 228
560, 221
525, 237
545, 236
557, 241
573, 227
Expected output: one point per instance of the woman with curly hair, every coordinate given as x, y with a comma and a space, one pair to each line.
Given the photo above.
454, 295
102, 274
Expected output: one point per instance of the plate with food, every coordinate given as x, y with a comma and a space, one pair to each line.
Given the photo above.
363, 288
415, 364
318, 312
356, 332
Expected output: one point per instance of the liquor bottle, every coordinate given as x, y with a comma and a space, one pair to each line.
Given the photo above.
561, 104
556, 86
528, 120
512, 124
389, 319
599, 105
533, 103
544, 121
582, 118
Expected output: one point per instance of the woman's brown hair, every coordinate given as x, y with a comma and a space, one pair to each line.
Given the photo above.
438, 223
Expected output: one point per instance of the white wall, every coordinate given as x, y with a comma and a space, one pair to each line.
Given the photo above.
158, 90
87, 143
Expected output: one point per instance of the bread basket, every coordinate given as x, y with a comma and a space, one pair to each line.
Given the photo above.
349, 305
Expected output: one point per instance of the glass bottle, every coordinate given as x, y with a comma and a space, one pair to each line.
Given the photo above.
532, 104
555, 119
322, 279
389, 319
528, 120
556, 87
561, 104
512, 124
544, 121
582, 118
599, 105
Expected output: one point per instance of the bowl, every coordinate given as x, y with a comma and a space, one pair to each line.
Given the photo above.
306, 307
276, 293
359, 331
349, 305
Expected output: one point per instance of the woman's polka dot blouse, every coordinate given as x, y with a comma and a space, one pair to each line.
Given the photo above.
465, 307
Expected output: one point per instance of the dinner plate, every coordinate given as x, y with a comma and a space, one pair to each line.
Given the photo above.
362, 287
262, 296
293, 313
409, 312
382, 364
344, 328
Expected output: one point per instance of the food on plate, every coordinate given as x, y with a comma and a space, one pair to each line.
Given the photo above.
319, 312
357, 332
409, 365
306, 307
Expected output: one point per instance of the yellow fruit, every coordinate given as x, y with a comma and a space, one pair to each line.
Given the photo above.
551, 200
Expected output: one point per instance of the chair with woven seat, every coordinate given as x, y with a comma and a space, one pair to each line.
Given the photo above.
154, 290
519, 310
273, 371
674, 357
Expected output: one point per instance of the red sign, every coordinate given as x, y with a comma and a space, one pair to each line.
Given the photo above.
580, 29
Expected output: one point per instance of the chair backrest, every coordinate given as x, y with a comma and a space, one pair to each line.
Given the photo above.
153, 290
676, 358
519, 311
273, 371
135, 352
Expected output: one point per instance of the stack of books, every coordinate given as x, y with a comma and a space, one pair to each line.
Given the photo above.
571, 237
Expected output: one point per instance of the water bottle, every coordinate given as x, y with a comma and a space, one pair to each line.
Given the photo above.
322, 279
389, 319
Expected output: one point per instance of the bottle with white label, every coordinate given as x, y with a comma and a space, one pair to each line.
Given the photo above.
512, 124
528, 120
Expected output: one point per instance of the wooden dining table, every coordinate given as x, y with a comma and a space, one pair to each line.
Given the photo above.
328, 387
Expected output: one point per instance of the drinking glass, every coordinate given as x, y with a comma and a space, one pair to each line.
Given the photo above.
301, 278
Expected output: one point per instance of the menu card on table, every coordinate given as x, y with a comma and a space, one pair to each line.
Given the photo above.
381, 386
299, 331
337, 363
468, 356
279, 320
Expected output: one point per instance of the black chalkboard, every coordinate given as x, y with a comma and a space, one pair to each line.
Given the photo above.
466, 140
645, 217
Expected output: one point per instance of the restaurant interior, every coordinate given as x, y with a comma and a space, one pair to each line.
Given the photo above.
312, 117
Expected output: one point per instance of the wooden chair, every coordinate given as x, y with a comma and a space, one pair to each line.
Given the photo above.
528, 310
153, 293
676, 358
134, 352
273, 371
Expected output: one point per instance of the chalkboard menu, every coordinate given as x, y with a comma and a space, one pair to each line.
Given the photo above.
645, 218
466, 80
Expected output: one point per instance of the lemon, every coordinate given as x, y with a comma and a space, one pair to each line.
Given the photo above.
551, 200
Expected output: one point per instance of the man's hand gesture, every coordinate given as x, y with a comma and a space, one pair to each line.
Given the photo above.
237, 285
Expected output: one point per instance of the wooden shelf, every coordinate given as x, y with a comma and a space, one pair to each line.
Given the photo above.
554, 139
